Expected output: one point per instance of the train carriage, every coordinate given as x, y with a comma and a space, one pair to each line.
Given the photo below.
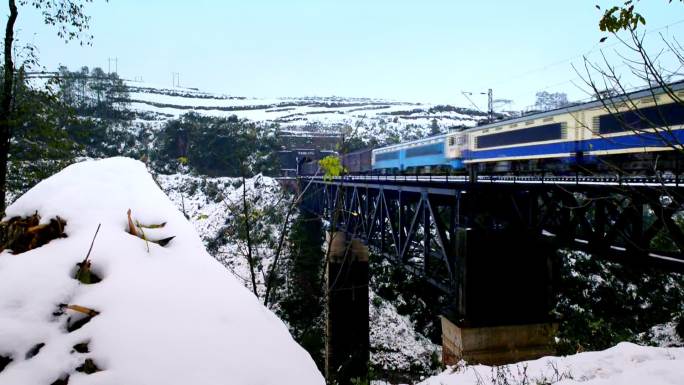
657, 125
626, 139
424, 155
546, 138
358, 162
637, 135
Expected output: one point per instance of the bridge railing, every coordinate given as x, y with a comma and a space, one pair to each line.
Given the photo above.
617, 180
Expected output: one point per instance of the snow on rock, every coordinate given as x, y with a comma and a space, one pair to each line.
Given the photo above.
623, 364
168, 315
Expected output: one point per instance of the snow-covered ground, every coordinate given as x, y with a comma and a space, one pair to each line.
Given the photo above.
624, 364
165, 315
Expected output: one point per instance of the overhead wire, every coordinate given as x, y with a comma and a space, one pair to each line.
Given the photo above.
586, 53
595, 48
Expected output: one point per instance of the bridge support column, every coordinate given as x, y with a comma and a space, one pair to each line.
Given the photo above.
496, 345
347, 331
502, 311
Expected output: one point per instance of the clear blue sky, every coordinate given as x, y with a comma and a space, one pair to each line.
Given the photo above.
428, 50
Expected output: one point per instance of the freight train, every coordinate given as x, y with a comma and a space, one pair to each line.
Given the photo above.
637, 133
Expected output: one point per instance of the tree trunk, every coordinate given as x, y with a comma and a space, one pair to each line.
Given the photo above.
248, 229
6, 104
281, 241
270, 277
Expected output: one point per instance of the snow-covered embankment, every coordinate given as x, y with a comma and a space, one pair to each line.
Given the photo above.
165, 315
623, 364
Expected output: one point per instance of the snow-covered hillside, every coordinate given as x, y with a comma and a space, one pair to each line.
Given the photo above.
395, 345
160, 314
304, 113
212, 205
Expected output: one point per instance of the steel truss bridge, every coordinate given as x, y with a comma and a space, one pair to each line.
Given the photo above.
490, 245
623, 219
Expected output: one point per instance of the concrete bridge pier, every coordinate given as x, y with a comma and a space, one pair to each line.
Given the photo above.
347, 330
496, 345
502, 312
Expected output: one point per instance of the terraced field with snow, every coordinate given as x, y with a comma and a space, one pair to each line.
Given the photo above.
302, 113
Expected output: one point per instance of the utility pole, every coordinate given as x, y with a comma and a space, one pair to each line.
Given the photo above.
109, 65
490, 104
175, 79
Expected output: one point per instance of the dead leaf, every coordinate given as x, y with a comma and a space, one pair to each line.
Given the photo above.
131, 226
83, 309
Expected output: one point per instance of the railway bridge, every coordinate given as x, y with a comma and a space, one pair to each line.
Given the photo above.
491, 244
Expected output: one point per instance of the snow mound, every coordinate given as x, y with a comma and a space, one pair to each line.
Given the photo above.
623, 364
167, 315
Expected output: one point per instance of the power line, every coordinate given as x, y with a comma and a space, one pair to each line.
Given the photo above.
490, 102
575, 79
467, 96
563, 61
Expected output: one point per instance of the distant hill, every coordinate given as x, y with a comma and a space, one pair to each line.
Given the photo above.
384, 121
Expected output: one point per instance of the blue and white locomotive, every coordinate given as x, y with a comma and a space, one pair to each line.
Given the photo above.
643, 131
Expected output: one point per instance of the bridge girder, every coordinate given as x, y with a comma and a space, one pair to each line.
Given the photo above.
431, 219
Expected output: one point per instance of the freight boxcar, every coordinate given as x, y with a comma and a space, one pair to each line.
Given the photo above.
358, 162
